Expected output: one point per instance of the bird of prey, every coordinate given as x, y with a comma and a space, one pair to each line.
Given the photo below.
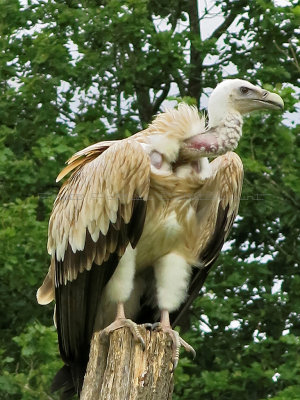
138, 224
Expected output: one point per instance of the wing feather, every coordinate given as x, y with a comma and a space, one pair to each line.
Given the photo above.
97, 213
98, 194
224, 189
84, 156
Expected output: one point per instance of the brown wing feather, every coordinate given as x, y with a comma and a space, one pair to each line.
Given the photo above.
225, 190
98, 212
99, 193
84, 156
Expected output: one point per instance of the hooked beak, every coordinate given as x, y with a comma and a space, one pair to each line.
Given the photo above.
269, 100
259, 99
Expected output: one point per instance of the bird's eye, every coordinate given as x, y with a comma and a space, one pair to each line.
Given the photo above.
244, 90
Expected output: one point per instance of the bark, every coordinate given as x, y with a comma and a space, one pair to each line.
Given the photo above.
145, 107
119, 369
195, 76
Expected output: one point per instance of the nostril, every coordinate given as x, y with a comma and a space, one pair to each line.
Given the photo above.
265, 94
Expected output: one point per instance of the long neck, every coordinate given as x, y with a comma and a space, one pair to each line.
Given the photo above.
229, 131
218, 139
217, 114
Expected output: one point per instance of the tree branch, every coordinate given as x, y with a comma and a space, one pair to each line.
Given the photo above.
222, 61
286, 54
217, 33
161, 98
179, 80
122, 370
234, 12
145, 107
195, 79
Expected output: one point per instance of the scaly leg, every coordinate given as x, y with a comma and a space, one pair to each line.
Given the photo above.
172, 273
120, 322
165, 326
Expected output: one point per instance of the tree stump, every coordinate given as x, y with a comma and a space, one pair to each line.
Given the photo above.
119, 369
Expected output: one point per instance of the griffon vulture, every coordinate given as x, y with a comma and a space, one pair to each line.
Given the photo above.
138, 224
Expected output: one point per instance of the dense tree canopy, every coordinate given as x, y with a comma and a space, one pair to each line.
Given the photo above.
76, 72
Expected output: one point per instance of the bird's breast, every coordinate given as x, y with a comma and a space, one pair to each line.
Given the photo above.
162, 234
171, 222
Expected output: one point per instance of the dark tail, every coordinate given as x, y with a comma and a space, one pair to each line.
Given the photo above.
77, 302
69, 381
63, 381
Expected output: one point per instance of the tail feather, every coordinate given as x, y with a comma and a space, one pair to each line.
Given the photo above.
76, 310
69, 381
63, 382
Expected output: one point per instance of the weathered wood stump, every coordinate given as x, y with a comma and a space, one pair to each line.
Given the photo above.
119, 369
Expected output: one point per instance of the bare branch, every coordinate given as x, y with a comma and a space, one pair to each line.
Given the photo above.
228, 21
224, 26
161, 98
195, 78
179, 80
294, 57
228, 58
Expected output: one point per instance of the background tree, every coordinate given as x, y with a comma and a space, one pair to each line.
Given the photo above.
76, 72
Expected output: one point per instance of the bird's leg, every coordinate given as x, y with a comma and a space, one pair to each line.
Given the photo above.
117, 291
165, 326
120, 311
120, 322
172, 274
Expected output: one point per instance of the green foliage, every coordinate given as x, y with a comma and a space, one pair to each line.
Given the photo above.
73, 73
33, 368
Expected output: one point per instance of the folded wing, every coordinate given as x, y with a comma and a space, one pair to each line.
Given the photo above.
217, 208
97, 213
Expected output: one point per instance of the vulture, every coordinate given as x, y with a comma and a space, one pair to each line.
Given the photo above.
138, 224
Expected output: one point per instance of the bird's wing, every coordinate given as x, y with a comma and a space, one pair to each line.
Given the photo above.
84, 156
101, 194
98, 212
217, 209
45, 293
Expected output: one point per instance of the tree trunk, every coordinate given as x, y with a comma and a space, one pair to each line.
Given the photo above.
120, 370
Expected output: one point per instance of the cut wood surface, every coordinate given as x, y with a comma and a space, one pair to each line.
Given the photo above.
119, 369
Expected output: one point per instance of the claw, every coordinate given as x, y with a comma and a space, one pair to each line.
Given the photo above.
121, 323
165, 326
177, 342
148, 325
152, 327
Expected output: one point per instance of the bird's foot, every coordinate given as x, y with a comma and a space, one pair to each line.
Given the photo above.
177, 341
122, 323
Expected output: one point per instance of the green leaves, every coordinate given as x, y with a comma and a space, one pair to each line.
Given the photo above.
39, 357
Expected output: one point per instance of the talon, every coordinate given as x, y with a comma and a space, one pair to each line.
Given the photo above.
122, 322
188, 347
165, 326
177, 343
148, 325
156, 325
175, 364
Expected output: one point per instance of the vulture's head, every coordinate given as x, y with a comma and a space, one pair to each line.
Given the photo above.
237, 95
181, 133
